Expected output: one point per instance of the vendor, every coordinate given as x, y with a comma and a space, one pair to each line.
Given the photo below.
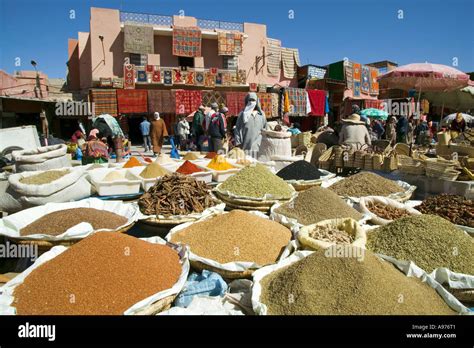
158, 133
95, 150
391, 131
354, 132
457, 126
78, 138
250, 123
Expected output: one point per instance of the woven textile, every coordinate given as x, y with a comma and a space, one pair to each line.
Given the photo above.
105, 101
128, 76
365, 80
349, 75
274, 57
275, 104
266, 103
229, 44
132, 101
161, 101
187, 101
317, 100
141, 76
290, 59
356, 72
178, 77
374, 84
297, 100
209, 97
235, 102
156, 77
167, 77
210, 80
138, 39
199, 78
373, 104
117, 82
242, 76
187, 41
190, 78
356, 90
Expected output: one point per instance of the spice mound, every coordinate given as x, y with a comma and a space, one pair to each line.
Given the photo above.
164, 159
457, 209
320, 284
428, 240
104, 274
132, 162
60, 221
256, 182
114, 176
365, 184
153, 170
190, 156
300, 170
211, 155
236, 153
44, 178
236, 236
331, 235
176, 194
188, 168
219, 163
317, 204
386, 212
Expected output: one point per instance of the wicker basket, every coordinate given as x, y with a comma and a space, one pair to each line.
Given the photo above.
377, 161
368, 161
402, 149
359, 159
348, 158
199, 266
390, 163
325, 160
338, 159
409, 165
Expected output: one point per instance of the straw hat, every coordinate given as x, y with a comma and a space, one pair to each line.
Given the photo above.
354, 119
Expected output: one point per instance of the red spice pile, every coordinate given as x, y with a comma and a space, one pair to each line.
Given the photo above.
211, 155
188, 168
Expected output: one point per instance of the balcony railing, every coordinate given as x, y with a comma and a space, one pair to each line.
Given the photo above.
159, 20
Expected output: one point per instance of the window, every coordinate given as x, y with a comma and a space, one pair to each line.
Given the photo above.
186, 61
138, 59
230, 62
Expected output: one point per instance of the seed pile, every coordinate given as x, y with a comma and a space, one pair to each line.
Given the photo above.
114, 176
190, 156
346, 286
176, 194
60, 221
428, 240
457, 209
219, 163
317, 204
104, 274
188, 168
153, 170
236, 236
365, 184
44, 178
386, 212
257, 181
332, 235
300, 170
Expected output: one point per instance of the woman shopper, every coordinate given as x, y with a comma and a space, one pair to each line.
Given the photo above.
354, 132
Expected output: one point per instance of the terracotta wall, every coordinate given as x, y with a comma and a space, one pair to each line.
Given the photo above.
73, 65
22, 85
85, 63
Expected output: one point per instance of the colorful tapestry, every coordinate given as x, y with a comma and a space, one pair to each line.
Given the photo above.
200, 77
235, 102
253, 87
317, 100
167, 77
365, 80
356, 72
274, 57
290, 60
161, 101
374, 83
266, 103
141, 76
187, 41
156, 77
132, 101
226, 79
187, 101
373, 104
138, 39
349, 75
213, 71
219, 79
190, 78
150, 68
297, 100
241, 77
210, 80
105, 82
117, 82
229, 44
104, 101
275, 104
178, 77
129, 76
209, 97
356, 89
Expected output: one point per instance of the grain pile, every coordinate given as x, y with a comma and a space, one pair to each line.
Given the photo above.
386, 212
60, 221
44, 178
256, 182
365, 184
324, 285
428, 240
153, 170
457, 209
176, 194
236, 236
104, 274
331, 235
317, 204
300, 170
190, 156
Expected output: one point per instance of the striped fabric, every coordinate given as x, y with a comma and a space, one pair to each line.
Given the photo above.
297, 98
274, 58
161, 101
105, 101
291, 60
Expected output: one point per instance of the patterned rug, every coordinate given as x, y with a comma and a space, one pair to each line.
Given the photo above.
356, 72
266, 102
349, 75
374, 84
274, 58
167, 77
187, 41
105, 101
187, 101
297, 99
275, 104
229, 44
138, 39
161, 101
131, 101
209, 97
365, 80
235, 102
129, 76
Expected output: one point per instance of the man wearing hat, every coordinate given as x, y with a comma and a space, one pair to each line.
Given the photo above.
197, 130
354, 132
216, 131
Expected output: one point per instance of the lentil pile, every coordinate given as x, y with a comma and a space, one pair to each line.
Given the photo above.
236, 236
44, 178
457, 209
317, 204
299, 170
365, 184
60, 221
176, 194
257, 181
332, 235
428, 240
104, 274
386, 212
153, 170
346, 286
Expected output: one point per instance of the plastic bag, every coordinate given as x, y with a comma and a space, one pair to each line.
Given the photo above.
205, 284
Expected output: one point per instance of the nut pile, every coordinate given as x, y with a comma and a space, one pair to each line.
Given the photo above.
457, 209
329, 234
386, 212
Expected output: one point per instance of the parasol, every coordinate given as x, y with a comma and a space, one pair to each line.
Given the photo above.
449, 118
374, 113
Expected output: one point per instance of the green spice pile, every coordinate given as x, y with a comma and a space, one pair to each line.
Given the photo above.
365, 184
256, 182
321, 285
331, 235
317, 204
104, 274
44, 178
457, 209
236, 236
428, 240
60, 221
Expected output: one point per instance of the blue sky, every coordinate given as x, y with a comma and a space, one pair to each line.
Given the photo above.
325, 31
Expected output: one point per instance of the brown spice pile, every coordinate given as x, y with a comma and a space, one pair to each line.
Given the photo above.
44, 178
365, 184
325, 285
60, 221
386, 212
104, 274
236, 236
457, 209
